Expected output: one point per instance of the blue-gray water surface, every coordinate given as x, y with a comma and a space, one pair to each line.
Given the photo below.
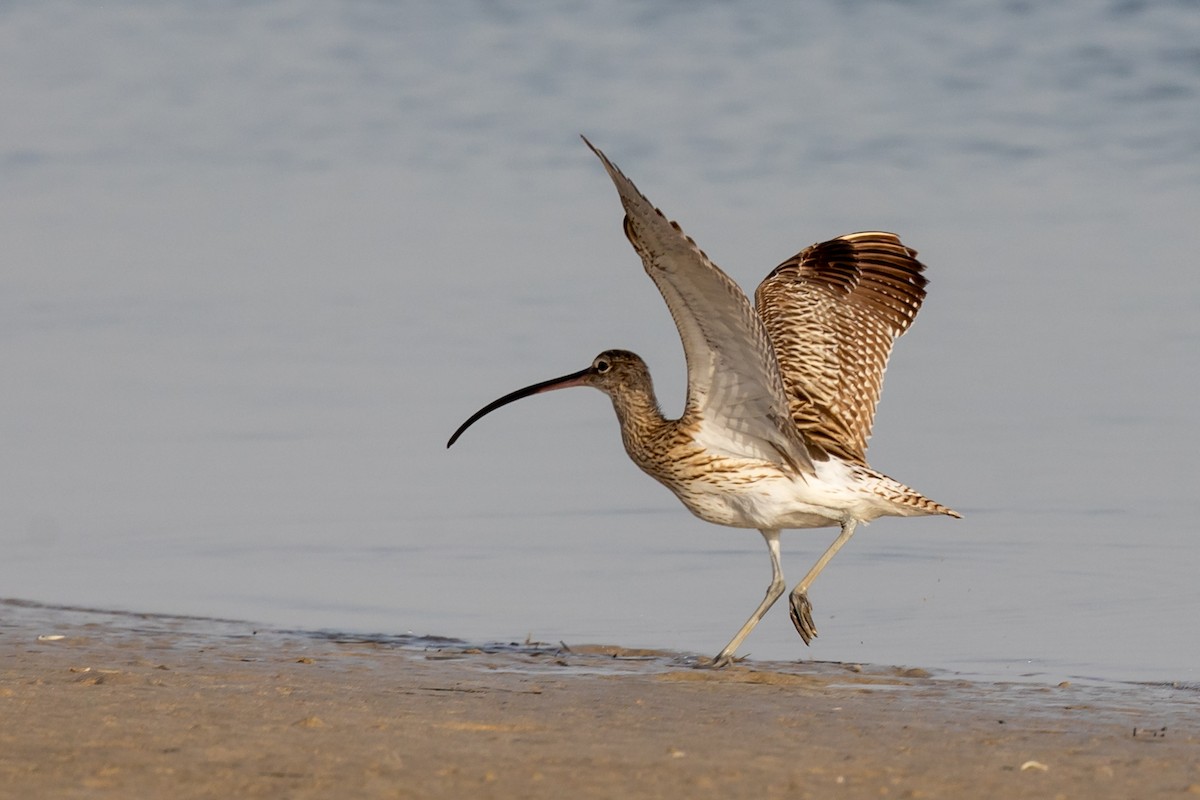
260, 259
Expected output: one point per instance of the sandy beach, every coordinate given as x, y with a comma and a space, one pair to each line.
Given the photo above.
101, 704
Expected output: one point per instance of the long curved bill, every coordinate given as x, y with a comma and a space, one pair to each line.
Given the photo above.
565, 382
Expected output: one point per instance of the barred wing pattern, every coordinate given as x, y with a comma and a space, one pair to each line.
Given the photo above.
833, 312
735, 390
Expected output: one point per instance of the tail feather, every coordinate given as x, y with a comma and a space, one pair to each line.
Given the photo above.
908, 502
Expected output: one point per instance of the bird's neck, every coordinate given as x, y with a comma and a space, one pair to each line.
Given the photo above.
640, 417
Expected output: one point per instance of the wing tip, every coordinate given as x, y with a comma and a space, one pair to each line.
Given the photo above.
613, 171
592, 147
639, 211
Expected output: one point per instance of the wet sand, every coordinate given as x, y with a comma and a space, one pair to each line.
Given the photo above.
159, 706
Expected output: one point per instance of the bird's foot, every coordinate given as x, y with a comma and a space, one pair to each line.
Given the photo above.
721, 661
802, 616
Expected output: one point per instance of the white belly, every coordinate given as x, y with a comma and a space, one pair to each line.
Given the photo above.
762, 496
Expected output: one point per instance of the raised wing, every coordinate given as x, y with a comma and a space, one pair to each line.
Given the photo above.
735, 391
833, 312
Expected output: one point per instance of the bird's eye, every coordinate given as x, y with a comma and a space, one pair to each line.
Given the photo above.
602, 365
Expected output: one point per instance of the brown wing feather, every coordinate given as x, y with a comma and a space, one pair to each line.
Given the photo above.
736, 396
833, 312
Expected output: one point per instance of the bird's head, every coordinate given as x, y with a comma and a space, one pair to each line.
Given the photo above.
610, 372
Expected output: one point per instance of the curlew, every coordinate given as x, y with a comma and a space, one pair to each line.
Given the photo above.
781, 394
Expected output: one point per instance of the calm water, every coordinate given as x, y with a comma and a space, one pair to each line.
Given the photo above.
261, 259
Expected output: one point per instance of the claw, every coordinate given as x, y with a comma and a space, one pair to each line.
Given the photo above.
802, 617
721, 661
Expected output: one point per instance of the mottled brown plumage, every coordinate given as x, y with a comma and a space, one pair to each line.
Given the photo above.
833, 312
781, 397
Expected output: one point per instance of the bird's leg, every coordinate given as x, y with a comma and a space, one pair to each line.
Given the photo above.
801, 608
774, 592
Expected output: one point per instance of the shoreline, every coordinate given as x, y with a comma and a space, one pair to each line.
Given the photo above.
120, 705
